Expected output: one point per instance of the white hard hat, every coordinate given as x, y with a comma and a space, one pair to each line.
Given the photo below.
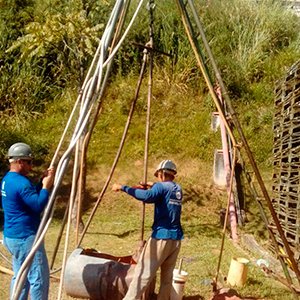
167, 166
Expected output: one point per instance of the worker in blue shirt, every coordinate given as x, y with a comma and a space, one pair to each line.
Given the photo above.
23, 204
162, 248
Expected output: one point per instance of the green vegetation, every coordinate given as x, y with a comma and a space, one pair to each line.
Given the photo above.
116, 230
252, 42
46, 48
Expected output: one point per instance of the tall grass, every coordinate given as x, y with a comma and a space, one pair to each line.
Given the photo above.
253, 43
246, 36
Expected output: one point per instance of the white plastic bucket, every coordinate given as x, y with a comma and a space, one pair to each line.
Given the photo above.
179, 280
237, 274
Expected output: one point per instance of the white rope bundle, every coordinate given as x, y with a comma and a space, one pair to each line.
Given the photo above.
92, 89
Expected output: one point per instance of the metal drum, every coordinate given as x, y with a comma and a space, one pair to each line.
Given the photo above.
93, 275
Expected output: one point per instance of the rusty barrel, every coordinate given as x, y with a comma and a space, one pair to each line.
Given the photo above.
94, 275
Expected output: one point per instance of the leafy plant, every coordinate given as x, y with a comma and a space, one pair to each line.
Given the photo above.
62, 44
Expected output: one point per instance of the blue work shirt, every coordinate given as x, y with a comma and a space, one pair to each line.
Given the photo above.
22, 204
167, 198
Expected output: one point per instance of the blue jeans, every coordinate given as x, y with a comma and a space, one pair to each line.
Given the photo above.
38, 275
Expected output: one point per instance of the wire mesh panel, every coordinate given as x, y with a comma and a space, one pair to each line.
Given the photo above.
286, 152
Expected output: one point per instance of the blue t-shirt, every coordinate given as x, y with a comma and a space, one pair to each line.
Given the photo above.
167, 198
22, 204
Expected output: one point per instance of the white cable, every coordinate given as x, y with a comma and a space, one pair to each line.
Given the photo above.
71, 203
80, 126
58, 178
113, 53
81, 94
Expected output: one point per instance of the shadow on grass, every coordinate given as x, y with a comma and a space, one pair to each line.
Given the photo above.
121, 235
63, 199
195, 297
208, 230
252, 281
194, 195
251, 298
229, 293
191, 194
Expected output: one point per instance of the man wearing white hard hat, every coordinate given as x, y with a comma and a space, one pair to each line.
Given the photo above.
162, 248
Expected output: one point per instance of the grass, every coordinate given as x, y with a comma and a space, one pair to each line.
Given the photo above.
115, 229
180, 128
